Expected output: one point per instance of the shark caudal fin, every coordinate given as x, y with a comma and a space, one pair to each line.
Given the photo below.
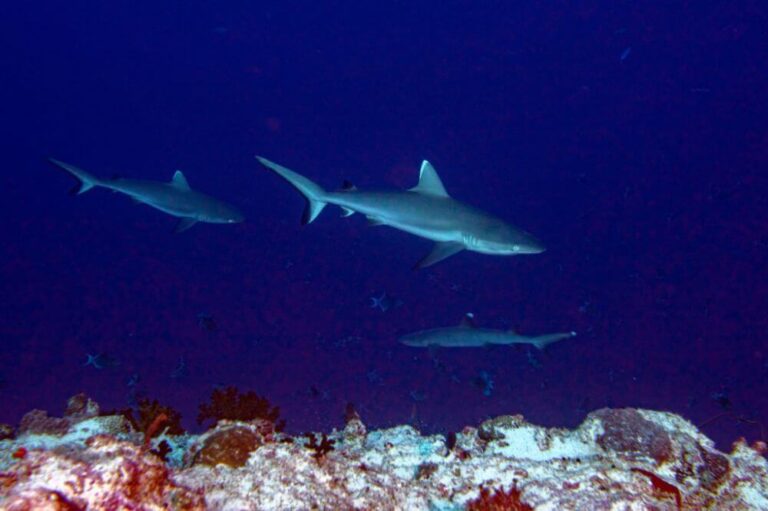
311, 191
87, 181
542, 341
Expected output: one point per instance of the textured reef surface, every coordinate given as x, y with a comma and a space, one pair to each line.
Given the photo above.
616, 459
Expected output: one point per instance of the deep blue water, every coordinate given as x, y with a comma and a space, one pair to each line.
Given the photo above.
630, 137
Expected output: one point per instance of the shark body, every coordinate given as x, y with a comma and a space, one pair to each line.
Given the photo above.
426, 211
467, 335
175, 198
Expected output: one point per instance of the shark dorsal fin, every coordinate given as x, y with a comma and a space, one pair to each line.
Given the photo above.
468, 321
429, 181
179, 181
347, 186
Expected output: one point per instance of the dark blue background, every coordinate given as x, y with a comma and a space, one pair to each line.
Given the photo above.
644, 172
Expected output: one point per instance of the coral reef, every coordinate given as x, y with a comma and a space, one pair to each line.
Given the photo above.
108, 474
616, 459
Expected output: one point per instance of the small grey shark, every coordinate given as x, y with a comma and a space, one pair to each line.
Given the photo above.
467, 335
175, 197
425, 210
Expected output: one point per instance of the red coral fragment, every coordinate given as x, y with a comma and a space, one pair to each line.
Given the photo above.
499, 500
154, 428
662, 486
19, 453
232, 405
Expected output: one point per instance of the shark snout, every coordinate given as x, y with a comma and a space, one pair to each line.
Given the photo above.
527, 244
410, 340
533, 247
231, 216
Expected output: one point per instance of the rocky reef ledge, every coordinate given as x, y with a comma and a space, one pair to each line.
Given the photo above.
617, 459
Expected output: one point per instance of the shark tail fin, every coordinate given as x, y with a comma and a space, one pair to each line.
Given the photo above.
543, 341
310, 190
87, 181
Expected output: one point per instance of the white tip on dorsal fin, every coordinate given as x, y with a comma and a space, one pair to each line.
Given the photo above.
429, 181
468, 321
179, 181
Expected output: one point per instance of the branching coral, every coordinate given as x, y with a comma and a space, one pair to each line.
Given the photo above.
321, 448
151, 419
232, 405
148, 412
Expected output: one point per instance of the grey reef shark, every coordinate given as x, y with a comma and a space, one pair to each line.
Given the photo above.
174, 197
425, 210
467, 335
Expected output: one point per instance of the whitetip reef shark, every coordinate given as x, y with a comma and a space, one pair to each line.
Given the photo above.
467, 335
425, 210
175, 197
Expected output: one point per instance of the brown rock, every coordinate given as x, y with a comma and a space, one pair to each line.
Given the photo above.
37, 422
231, 446
81, 406
627, 432
6, 431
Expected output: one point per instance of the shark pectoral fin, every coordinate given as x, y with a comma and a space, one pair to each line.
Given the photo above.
373, 222
429, 181
441, 251
312, 209
345, 212
184, 224
179, 181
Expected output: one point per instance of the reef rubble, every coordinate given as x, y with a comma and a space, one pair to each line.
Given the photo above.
617, 459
